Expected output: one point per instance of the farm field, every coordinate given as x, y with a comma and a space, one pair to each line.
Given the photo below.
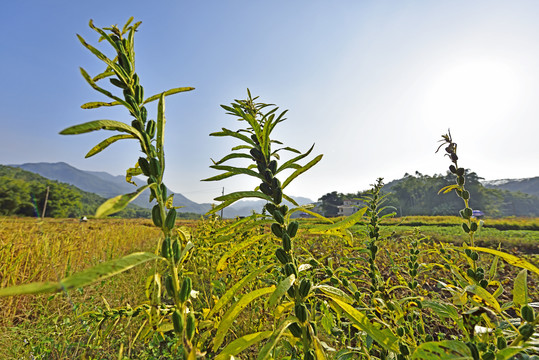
59, 326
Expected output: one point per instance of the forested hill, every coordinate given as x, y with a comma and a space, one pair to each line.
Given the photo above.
105, 185
23, 193
527, 186
418, 195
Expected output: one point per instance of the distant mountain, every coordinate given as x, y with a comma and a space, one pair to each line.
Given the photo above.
104, 184
100, 183
526, 186
246, 207
107, 186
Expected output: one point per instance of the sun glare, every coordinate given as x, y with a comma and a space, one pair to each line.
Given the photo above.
480, 91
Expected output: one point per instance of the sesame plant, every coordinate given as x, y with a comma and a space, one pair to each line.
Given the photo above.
256, 138
488, 329
378, 305
374, 210
166, 280
472, 296
298, 296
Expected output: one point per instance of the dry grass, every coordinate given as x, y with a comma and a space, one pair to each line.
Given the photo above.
32, 251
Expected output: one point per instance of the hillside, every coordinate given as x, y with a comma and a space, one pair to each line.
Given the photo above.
411, 195
23, 193
104, 184
418, 195
526, 186
107, 186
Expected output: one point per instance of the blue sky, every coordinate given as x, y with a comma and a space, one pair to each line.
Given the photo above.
372, 83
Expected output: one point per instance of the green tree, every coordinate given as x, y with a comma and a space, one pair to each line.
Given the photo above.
14, 196
330, 203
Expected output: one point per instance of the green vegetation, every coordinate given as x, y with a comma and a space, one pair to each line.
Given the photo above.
59, 326
418, 195
266, 286
23, 193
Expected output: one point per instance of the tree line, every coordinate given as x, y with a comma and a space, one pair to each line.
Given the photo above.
418, 195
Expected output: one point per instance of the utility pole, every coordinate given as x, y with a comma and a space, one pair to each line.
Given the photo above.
222, 193
45, 204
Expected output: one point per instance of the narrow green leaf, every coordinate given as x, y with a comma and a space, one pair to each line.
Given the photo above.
312, 213
105, 143
265, 135
233, 156
107, 269
334, 292
99, 125
443, 310
255, 125
287, 148
97, 104
103, 34
169, 204
117, 69
237, 135
233, 312
384, 338
160, 137
511, 259
508, 353
124, 29
107, 73
343, 224
443, 350
279, 119
119, 202
281, 289
220, 176
230, 293
293, 161
235, 196
520, 288
485, 295
493, 268
237, 247
265, 352
33, 288
185, 250
288, 198
238, 170
448, 188
231, 110
499, 288
301, 170
129, 173
167, 93
222, 205
83, 278
318, 348
131, 39
241, 147
101, 90
103, 125
242, 343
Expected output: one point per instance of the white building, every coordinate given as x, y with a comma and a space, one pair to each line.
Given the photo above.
349, 207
